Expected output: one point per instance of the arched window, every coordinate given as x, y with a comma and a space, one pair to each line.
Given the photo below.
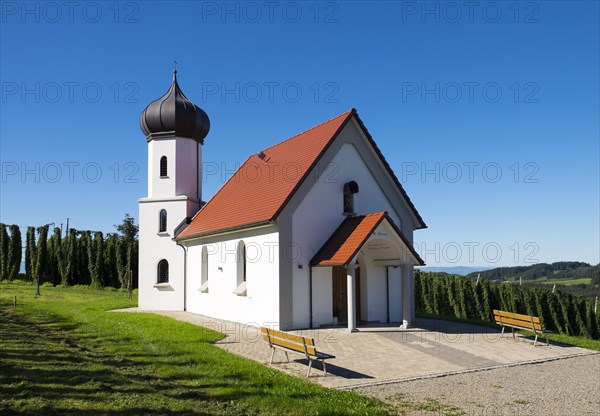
163, 272
243, 260
204, 271
241, 269
163, 167
162, 221
350, 188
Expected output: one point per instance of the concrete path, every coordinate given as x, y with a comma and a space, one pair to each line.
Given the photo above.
386, 354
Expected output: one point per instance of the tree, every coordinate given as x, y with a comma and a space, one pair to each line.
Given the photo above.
56, 257
127, 249
111, 273
82, 276
41, 264
30, 253
70, 265
127, 229
15, 252
96, 260
4, 257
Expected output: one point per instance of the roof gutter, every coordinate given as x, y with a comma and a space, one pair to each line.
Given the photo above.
254, 225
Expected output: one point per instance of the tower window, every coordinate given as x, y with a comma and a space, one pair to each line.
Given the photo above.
163, 272
163, 167
350, 188
162, 221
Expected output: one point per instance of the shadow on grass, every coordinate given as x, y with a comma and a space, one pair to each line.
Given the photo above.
44, 372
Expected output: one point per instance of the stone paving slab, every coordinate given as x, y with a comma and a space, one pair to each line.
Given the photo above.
387, 354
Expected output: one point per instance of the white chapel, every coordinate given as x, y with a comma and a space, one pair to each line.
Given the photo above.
313, 231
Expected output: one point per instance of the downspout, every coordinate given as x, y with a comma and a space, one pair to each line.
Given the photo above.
387, 291
310, 299
184, 275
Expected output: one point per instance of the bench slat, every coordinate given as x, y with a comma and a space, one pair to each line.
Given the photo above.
291, 341
519, 323
517, 316
274, 333
287, 344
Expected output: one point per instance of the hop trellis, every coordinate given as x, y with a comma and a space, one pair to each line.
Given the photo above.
458, 296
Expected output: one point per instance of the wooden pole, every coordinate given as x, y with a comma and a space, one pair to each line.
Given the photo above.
596, 306
477, 282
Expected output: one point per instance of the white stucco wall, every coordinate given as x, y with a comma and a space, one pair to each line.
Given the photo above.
261, 305
155, 246
319, 214
322, 296
178, 194
188, 179
184, 178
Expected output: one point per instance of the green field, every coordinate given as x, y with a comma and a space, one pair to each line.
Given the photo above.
63, 354
566, 282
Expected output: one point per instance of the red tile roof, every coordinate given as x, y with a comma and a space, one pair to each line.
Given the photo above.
345, 243
261, 187
347, 240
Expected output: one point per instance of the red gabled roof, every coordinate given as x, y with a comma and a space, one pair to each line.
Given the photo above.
345, 243
259, 189
347, 240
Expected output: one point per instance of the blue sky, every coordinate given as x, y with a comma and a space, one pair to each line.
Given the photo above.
489, 114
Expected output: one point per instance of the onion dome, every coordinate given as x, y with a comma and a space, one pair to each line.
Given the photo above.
174, 115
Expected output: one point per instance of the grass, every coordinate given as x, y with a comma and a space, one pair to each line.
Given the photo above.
590, 344
63, 354
582, 342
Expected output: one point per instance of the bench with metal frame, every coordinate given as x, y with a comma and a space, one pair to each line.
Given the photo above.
294, 343
519, 321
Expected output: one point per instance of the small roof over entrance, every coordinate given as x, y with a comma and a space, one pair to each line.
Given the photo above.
377, 233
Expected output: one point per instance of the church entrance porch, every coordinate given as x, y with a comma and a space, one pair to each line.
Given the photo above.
364, 272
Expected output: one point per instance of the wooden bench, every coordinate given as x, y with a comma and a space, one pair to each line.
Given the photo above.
294, 343
519, 321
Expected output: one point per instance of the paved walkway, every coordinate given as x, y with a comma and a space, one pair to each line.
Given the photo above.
386, 354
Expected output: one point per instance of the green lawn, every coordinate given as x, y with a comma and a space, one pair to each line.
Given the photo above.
63, 354
566, 282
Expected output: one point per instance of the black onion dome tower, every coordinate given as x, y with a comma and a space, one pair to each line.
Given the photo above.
174, 115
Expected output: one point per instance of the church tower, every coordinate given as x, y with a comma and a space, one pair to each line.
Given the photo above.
175, 129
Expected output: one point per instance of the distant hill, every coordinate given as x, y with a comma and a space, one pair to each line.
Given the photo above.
560, 271
461, 270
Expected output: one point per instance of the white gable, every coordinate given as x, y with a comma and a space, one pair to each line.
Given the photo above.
317, 207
